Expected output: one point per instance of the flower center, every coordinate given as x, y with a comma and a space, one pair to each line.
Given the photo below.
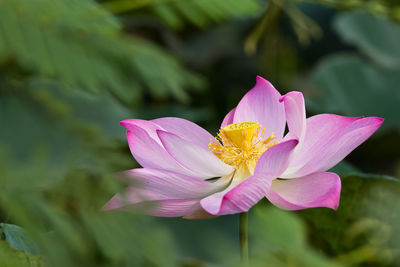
241, 144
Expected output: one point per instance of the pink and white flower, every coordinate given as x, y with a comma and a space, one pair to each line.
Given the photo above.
187, 172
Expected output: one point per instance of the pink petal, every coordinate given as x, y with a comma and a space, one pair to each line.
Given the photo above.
114, 203
163, 207
164, 193
172, 184
131, 196
320, 189
295, 114
151, 154
228, 118
180, 127
329, 138
261, 104
172, 207
148, 149
186, 130
148, 126
196, 158
241, 197
160, 208
275, 160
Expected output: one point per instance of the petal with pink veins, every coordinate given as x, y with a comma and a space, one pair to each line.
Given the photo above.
241, 197
164, 193
295, 114
172, 184
181, 127
172, 207
116, 202
320, 189
186, 130
142, 133
132, 196
151, 154
276, 159
238, 198
261, 104
228, 118
148, 126
160, 208
195, 158
329, 138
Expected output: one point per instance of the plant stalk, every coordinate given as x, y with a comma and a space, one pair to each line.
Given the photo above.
244, 240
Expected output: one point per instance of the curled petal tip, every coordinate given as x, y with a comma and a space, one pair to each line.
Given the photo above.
336, 195
260, 79
210, 205
320, 189
376, 121
289, 94
333, 196
123, 123
380, 120
129, 123
113, 204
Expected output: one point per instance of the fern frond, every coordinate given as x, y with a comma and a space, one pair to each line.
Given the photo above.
203, 12
82, 45
177, 13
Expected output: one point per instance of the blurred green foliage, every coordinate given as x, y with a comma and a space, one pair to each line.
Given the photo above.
364, 229
372, 84
71, 70
387, 8
83, 45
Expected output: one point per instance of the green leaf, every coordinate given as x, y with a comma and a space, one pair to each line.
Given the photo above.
382, 8
352, 86
281, 229
220, 232
12, 257
364, 199
279, 238
377, 37
17, 238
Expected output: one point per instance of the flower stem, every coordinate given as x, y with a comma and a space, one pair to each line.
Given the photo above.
244, 241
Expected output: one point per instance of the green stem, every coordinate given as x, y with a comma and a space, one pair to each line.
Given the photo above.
244, 241
264, 27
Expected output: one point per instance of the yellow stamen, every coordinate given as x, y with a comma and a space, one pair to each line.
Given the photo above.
241, 145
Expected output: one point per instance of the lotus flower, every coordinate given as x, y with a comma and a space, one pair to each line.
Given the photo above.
187, 172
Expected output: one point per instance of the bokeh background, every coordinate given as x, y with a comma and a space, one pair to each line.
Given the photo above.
70, 70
